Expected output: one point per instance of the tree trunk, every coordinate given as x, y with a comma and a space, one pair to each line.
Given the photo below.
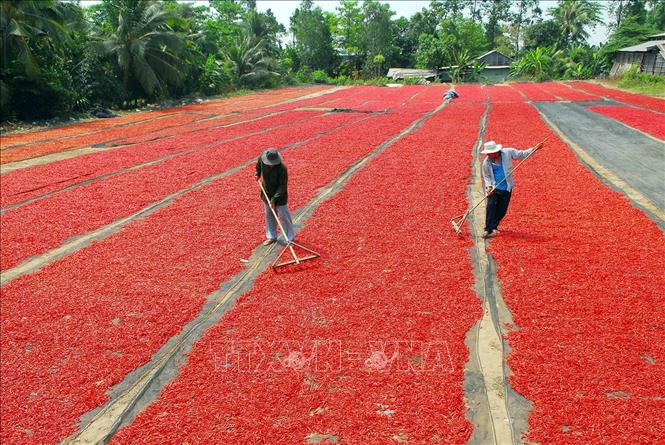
517, 41
125, 80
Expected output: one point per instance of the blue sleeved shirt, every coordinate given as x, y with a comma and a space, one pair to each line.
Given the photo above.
507, 156
499, 175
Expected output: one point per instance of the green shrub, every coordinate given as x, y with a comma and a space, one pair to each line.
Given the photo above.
542, 63
216, 77
635, 75
304, 75
378, 81
320, 76
411, 81
38, 100
5, 100
290, 79
642, 83
342, 80
548, 63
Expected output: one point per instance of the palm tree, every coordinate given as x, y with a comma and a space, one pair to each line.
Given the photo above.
573, 16
144, 46
250, 62
255, 25
23, 21
264, 26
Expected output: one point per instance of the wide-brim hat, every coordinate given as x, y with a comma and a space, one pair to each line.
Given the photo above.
271, 157
491, 147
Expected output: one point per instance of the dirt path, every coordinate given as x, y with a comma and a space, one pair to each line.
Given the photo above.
499, 413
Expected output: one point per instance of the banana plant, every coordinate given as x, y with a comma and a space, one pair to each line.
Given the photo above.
465, 68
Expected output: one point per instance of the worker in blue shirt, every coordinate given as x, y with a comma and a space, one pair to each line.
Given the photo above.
497, 169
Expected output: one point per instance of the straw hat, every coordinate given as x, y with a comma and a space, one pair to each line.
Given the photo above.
491, 147
271, 157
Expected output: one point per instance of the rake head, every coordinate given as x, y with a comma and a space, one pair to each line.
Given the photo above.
457, 225
310, 255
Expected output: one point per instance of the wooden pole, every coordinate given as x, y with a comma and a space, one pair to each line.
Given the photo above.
289, 243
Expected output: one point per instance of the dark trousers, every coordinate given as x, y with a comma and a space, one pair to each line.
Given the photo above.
497, 206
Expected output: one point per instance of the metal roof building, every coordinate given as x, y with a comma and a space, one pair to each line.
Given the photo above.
497, 67
403, 73
648, 56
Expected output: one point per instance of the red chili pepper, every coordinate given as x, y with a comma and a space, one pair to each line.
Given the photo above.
644, 120
621, 96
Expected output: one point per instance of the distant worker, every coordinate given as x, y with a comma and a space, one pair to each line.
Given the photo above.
497, 170
272, 173
450, 94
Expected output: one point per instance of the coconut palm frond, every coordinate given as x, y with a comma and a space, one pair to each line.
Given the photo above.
144, 46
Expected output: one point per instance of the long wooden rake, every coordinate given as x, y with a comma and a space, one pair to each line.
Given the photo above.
458, 221
289, 244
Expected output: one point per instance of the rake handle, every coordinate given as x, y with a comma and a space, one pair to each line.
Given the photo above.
468, 212
274, 213
538, 146
263, 190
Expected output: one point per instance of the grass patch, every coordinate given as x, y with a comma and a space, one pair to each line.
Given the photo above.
635, 86
637, 82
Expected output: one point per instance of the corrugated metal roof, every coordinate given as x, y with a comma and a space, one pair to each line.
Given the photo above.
642, 47
493, 67
400, 73
486, 54
493, 51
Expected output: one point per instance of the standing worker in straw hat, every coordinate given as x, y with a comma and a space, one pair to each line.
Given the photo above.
497, 169
272, 172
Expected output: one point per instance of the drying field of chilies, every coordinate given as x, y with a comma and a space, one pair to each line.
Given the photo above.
139, 304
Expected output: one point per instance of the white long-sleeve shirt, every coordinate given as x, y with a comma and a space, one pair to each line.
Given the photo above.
507, 156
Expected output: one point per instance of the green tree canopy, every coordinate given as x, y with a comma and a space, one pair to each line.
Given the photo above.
620, 10
264, 27
143, 44
430, 53
447, 9
249, 61
313, 39
541, 33
24, 22
496, 12
408, 31
656, 14
36, 45
406, 47
525, 11
348, 27
574, 17
377, 32
462, 35
630, 33
454, 37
